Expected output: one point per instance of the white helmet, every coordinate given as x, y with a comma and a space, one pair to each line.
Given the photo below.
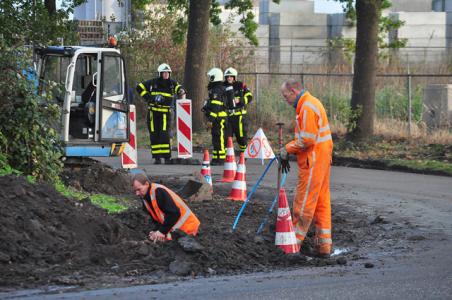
215, 74
164, 68
230, 72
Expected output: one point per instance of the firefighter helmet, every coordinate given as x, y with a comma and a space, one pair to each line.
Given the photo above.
215, 74
163, 68
230, 72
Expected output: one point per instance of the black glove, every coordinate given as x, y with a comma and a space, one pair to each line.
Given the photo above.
285, 166
284, 160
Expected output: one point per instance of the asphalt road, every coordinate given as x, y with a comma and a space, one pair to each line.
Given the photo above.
423, 273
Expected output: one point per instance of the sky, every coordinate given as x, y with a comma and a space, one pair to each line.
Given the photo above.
320, 6
327, 6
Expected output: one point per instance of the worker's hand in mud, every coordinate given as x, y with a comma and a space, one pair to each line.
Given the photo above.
157, 236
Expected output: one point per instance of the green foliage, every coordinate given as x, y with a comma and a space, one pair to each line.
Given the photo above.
386, 26
242, 8
109, 203
27, 142
144, 50
392, 102
29, 22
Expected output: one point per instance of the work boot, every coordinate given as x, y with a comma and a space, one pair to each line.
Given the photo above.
168, 161
323, 251
157, 161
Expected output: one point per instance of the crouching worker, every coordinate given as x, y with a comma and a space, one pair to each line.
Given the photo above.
166, 208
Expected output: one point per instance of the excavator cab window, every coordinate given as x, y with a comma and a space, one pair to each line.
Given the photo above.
83, 105
53, 78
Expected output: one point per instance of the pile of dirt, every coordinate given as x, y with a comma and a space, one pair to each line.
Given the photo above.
46, 238
95, 177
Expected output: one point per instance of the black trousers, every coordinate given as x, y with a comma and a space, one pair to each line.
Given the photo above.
238, 127
219, 131
159, 124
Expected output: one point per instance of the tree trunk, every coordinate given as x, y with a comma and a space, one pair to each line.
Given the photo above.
51, 6
364, 78
195, 78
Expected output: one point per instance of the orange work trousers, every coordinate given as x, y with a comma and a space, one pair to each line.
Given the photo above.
312, 199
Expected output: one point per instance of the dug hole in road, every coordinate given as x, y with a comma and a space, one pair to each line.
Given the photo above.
52, 243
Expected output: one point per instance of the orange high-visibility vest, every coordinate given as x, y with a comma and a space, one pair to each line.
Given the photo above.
187, 221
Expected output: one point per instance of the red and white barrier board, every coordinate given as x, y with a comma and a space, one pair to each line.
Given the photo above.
184, 128
129, 157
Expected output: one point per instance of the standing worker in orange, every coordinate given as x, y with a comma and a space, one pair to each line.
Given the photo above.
313, 147
166, 208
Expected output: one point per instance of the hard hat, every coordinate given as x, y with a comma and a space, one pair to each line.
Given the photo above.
215, 74
164, 68
230, 72
112, 42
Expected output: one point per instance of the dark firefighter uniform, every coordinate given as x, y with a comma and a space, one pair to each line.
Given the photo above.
237, 115
215, 111
160, 95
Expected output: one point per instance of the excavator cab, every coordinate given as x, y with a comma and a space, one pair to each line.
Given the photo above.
90, 85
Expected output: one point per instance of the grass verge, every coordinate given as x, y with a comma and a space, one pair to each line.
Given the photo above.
109, 203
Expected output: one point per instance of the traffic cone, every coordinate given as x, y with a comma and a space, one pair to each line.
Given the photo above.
205, 168
230, 166
238, 191
285, 236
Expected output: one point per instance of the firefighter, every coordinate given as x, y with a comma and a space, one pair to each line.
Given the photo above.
168, 211
160, 95
237, 114
313, 147
215, 110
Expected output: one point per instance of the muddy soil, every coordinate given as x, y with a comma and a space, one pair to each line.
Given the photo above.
47, 239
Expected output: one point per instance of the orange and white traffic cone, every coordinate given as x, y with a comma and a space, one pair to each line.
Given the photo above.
205, 168
230, 166
285, 235
238, 191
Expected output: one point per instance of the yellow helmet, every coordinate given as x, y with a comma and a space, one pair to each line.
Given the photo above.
215, 74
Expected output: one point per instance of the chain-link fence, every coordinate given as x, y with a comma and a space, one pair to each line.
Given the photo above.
400, 101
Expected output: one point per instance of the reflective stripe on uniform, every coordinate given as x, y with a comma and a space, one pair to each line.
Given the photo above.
246, 97
222, 137
322, 139
216, 102
153, 108
161, 93
151, 120
308, 135
163, 151
324, 128
323, 231
308, 186
300, 232
175, 198
144, 92
325, 241
240, 127
159, 146
164, 122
